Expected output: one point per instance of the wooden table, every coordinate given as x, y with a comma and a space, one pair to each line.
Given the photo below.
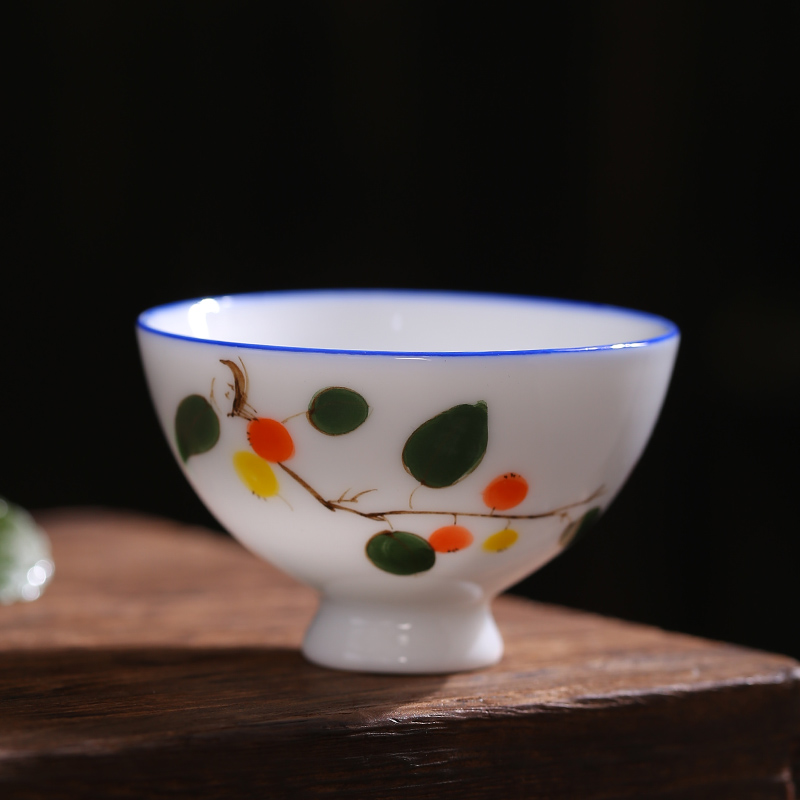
163, 662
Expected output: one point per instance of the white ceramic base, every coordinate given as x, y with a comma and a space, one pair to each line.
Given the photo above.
397, 638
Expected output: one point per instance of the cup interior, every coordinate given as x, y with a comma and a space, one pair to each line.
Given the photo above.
383, 321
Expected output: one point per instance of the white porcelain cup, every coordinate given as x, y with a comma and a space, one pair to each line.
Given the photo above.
410, 455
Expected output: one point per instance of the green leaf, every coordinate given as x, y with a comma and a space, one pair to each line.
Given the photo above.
400, 553
449, 446
337, 410
577, 530
196, 426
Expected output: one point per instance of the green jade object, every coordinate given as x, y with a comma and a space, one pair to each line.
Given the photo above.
26, 563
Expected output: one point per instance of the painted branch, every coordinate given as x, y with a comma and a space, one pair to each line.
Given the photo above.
382, 515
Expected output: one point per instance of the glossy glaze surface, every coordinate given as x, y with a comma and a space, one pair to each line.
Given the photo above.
408, 481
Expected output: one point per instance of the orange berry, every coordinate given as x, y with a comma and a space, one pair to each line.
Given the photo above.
270, 439
450, 538
505, 491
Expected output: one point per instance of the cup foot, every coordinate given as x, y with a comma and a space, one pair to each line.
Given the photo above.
397, 638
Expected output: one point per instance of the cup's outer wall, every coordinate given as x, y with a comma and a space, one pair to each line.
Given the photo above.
572, 424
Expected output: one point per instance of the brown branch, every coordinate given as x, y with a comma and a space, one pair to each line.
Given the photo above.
240, 407
314, 493
381, 516
354, 499
554, 512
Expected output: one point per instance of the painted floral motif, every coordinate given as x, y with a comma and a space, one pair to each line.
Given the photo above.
442, 451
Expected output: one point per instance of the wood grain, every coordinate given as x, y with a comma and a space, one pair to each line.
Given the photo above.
163, 662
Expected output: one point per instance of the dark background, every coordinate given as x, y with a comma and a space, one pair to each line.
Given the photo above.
636, 153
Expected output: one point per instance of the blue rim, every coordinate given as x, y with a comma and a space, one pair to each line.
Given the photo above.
671, 330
